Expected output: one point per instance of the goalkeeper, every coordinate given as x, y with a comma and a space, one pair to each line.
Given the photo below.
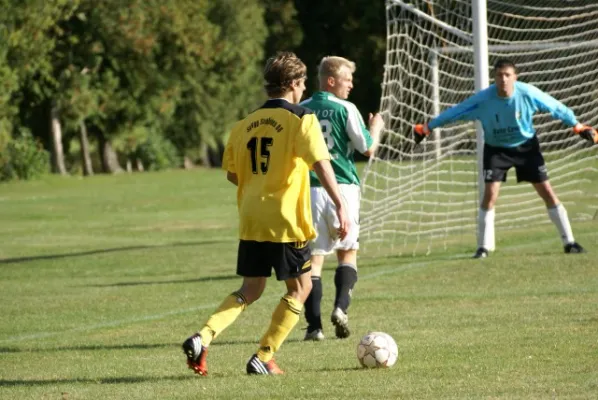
505, 110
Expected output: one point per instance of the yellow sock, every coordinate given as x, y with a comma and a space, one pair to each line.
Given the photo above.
226, 314
284, 319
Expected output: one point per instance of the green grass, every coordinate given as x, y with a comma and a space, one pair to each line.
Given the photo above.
101, 280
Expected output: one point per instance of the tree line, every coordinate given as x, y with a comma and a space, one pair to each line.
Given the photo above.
104, 86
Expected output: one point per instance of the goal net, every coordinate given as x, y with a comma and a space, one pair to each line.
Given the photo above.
418, 199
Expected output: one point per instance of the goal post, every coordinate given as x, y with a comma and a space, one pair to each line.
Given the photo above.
424, 198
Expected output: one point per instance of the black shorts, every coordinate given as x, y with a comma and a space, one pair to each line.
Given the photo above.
289, 260
526, 158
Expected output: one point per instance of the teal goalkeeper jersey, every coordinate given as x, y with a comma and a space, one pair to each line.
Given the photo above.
344, 132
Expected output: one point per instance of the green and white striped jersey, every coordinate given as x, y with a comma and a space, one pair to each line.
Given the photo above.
344, 132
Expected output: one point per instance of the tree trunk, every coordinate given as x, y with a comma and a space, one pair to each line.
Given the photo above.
85, 156
139, 165
188, 163
108, 155
204, 155
58, 152
215, 154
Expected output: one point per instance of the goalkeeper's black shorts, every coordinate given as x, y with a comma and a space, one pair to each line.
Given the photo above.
526, 158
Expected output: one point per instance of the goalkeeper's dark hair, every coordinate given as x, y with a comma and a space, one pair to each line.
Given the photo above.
504, 63
280, 72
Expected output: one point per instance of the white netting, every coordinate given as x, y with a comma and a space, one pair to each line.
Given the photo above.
419, 198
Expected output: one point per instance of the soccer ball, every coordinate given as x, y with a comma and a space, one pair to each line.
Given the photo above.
377, 350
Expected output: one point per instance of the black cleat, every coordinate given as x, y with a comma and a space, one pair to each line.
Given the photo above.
480, 253
257, 367
196, 354
574, 248
315, 335
340, 320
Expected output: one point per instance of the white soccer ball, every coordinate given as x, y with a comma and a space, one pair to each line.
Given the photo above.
377, 350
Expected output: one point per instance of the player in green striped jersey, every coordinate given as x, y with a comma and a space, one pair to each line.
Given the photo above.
345, 132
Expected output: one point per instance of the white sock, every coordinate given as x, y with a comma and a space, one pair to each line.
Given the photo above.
558, 216
486, 229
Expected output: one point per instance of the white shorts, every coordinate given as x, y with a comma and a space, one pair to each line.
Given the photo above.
326, 222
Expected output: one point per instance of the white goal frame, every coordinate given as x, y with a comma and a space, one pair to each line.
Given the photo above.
480, 49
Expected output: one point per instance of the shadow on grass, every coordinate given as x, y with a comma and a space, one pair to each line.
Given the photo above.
134, 379
204, 279
88, 348
16, 260
101, 381
101, 347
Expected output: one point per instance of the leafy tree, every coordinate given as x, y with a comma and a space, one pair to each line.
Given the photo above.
26, 45
222, 80
284, 28
357, 30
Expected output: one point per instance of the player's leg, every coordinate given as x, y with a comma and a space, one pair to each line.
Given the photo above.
486, 215
533, 170
345, 278
345, 275
559, 217
294, 268
313, 304
232, 306
250, 266
323, 216
496, 165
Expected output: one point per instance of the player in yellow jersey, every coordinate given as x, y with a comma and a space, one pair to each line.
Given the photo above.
268, 156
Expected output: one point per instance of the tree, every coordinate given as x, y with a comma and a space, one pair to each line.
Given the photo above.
284, 28
220, 80
357, 30
25, 61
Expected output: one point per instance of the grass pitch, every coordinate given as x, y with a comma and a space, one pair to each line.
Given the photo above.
101, 280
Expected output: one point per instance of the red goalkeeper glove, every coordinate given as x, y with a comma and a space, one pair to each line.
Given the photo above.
420, 132
586, 132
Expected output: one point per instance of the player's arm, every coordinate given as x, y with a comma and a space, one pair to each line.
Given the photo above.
558, 110
232, 178
464, 111
376, 124
363, 141
311, 147
547, 103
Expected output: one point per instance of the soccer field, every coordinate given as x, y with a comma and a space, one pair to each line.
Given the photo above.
101, 279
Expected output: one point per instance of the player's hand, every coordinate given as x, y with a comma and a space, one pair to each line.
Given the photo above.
344, 224
420, 132
586, 132
375, 122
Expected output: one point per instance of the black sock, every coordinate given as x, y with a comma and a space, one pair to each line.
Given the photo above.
313, 314
344, 280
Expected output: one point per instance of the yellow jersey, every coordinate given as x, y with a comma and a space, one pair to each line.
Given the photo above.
271, 151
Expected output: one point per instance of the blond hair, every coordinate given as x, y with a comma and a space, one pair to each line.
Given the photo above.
280, 72
331, 65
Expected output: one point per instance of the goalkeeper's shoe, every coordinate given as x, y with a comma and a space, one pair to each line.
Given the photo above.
586, 132
340, 320
420, 132
315, 335
573, 248
255, 366
196, 354
481, 253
